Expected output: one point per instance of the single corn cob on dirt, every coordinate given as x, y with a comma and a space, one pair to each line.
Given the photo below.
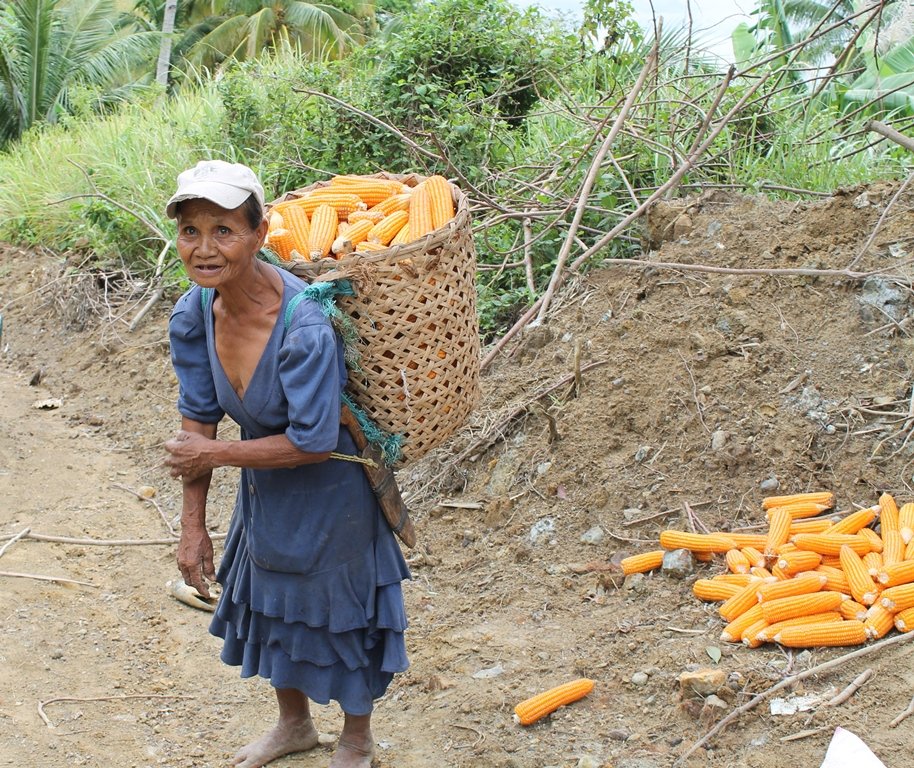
854, 521
889, 517
696, 542
324, 222
863, 588
817, 497
801, 605
898, 598
828, 634
802, 584
893, 575
736, 561
713, 591
647, 561
767, 634
904, 620
879, 622
537, 707
826, 544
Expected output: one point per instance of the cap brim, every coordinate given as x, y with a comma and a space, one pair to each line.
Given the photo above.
224, 195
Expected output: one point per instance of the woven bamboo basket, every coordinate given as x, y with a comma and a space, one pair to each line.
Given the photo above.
415, 314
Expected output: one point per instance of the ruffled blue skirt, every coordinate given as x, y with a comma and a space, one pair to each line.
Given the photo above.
334, 635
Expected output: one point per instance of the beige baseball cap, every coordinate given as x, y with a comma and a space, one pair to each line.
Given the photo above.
227, 185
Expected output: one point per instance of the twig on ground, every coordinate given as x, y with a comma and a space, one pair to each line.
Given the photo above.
694, 520
148, 500
851, 689
13, 540
124, 697
39, 577
903, 715
879, 223
104, 542
701, 415
840, 661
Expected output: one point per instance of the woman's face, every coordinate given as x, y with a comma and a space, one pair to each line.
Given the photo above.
216, 245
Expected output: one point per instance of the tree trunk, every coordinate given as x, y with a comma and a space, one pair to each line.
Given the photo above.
168, 26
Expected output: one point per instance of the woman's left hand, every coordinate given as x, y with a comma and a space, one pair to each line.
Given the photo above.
189, 455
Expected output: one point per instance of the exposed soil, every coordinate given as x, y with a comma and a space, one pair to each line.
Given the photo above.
703, 387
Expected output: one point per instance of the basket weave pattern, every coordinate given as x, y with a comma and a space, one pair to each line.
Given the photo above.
415, 314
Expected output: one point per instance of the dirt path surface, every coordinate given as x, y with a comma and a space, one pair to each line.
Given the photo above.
699, 394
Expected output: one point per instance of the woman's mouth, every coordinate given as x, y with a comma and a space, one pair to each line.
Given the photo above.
208, 269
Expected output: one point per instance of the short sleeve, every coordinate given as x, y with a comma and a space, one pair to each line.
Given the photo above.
190, 359
309, 371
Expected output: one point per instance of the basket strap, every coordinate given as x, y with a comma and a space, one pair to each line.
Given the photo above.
205, 293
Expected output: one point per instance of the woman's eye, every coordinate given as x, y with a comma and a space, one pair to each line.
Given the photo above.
224, 230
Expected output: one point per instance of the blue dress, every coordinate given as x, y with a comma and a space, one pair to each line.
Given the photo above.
311, 572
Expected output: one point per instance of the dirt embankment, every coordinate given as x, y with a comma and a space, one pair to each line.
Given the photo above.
697, 392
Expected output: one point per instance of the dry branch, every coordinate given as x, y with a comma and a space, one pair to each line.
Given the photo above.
124, 697
103, 542
39, 577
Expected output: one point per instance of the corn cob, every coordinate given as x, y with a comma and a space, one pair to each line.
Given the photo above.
909, 550
779, 573
828, 634
893, 575
756, 540
385, 230
832, 560
817, 497
898, 598
296, 221
741, 579
343, 204
701, 557
826, 544
733, 632
282, 243
854, 521
872, 537
274, 221
762, 573
441, 200
402, 237
904, 620
906, 522
324, 222
785, 548
811, 525
537, 707
836, 579
873, 563
796, 562
889, 517
851, 609
358, 232
712, 591
736, 561
863, 588
373, 216
393, 204
800, 605
750, 636
371, 191
801, 509
879, 622
767, 634
892, 547
755, 557
365, 245
778, 530
647, 561
696, 542
420, 213
803, 584
741, 602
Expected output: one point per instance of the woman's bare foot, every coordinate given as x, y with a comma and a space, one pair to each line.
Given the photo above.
353, 752
284, 739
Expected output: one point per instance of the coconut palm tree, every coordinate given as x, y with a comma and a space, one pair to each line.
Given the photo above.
48, 47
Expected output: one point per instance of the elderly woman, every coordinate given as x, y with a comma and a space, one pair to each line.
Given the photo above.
311, 573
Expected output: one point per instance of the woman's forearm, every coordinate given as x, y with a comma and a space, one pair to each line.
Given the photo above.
273, 452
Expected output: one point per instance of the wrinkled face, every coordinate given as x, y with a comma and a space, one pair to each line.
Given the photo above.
216, 245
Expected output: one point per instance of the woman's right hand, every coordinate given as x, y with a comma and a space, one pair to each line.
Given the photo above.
195, 558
